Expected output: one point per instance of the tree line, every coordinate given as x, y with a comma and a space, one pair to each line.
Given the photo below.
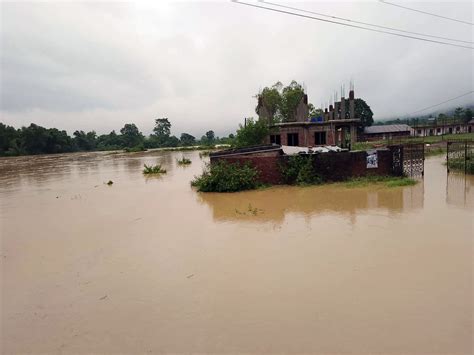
35, 139
459, 115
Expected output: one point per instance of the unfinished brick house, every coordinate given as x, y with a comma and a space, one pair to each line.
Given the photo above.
335, 127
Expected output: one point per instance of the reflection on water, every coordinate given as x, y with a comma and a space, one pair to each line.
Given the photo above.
150, 265
274, 203
460, 190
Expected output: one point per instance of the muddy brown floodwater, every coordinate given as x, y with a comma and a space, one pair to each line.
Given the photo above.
150, 265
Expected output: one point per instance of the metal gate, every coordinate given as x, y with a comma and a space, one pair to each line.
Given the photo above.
408, 159
460, 156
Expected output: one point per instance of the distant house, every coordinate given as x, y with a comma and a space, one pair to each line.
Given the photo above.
439, 128
387, 131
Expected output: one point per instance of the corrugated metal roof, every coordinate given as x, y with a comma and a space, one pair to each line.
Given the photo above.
390, 128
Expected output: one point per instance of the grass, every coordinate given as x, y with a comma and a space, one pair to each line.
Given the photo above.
153, 169
183, 161
384, 181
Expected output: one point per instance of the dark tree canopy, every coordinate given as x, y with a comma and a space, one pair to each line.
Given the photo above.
362, 111
132, 137
187, 139
162, 128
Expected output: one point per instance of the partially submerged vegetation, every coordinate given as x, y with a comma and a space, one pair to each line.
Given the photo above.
183, 161
299, 170
153, 169
227, 177
382, 181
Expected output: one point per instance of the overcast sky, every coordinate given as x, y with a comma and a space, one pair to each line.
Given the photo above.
96, 66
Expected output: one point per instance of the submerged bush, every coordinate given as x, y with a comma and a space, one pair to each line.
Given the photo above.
183, 161
227, 177
300, 170
153, 169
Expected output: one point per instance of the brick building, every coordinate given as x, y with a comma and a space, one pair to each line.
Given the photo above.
336, 126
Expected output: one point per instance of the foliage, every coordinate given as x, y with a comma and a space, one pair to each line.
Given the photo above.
467, 115
290, 98
253, 133
227, 177
153, 169
271, 99
183, 161
187, 139
131, 136
161, 133
299, 170
362, 111
281, 102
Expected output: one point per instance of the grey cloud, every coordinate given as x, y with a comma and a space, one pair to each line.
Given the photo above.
99, 65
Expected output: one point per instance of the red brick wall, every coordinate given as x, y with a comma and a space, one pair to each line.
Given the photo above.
266, 163
331, 166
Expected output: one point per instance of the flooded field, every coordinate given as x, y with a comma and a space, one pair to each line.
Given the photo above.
148, 265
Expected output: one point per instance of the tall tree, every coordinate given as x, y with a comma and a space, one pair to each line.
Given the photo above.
187, 139
362, 111
467, 115
458, 113
132, 137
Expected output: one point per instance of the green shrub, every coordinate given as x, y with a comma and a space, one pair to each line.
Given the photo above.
227, 177
153, 169
299, 170
183, 161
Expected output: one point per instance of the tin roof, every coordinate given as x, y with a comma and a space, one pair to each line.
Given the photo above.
390, 128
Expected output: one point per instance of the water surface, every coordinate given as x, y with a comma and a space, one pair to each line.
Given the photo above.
150, 265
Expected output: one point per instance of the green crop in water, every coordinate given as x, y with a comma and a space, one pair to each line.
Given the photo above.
183, 161
153, 169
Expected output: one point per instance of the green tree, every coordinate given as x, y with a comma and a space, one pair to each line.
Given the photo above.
162, 128
458, 112
8, 140
362, 111
290, 98
187, 139
131, 136
253, 133
467, 115
271, 99
85, 141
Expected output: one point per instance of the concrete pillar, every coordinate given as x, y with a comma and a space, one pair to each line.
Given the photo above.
343, 108
351, 105
353, 134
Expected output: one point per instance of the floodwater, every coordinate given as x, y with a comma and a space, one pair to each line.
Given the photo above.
148, 265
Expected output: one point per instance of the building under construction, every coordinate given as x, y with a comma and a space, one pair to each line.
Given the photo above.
336, 126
